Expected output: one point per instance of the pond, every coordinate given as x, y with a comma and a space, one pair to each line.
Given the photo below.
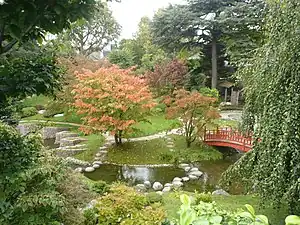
136, 175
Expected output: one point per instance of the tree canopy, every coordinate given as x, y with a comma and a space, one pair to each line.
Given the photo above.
272, 87
23, 20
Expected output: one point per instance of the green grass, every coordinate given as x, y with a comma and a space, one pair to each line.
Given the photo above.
171, 203
69, 118
158, 124
157, 152
36, 100
94, 141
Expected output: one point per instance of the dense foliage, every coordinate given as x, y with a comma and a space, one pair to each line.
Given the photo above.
124, 205
35, 186
23, 20
112, 99
272, 102
195, 110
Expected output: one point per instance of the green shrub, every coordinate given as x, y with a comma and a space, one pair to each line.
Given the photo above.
153, 197
124, 205
100, 187
166, 156
54, 108
29, 111
203, 197
90, 216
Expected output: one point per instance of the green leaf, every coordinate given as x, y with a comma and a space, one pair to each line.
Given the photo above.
216, 219
292, 220
263, 219
250, 209
185, 199
201, 222
15, 31
246, 215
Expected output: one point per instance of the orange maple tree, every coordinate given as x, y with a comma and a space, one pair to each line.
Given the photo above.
112, 99
194, 109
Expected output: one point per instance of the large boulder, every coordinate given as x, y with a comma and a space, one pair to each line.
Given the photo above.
64, 134
89, 169
220, 192
157, 186
177, 184
50, 132
196, 173
147, 184
141, 188
26, 128
71, 141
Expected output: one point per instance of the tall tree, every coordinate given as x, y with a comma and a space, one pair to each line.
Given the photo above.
93, 35
199, 23
272, 88
23, 20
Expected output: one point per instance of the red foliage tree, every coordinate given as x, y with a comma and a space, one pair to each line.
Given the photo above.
168, 76
112, 99
195, 110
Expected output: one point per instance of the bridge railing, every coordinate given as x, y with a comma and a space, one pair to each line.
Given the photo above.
227, 134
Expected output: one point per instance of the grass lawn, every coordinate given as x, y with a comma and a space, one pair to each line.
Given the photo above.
95, 141
157, 152
171, 203
36, 100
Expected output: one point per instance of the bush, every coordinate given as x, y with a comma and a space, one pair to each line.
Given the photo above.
100, 187
124, 205
153, 197
166, 156
54, 108
90, 216
28, 111
203, 197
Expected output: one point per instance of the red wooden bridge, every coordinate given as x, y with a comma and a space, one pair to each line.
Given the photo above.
228, 138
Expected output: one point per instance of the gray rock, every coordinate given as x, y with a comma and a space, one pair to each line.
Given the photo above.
71, 141
41, 111
27, 128
159, 192
170, 146
89, 169
167, 189
97, 162
147, 184
103, 152
168, 185
183, 165
185, 179
96, 166
97, 158
64, 134
103, 148
141, 188
157, 186
93, 202
193, 177
187, 169
196, 173
220, 192
177, 179
194, 169
50, 132
171, 150
98, 155
59, 115
177, 184
79, 170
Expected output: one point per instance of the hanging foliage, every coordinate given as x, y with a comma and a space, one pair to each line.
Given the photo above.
272, 84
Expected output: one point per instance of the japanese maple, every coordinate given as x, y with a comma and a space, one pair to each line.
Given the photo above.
112, 99
195, 110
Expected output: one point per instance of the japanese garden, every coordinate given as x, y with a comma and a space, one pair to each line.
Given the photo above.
193, 120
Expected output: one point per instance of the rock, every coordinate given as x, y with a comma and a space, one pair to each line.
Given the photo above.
98, 155
147, 184
41, 111
79, 170
171, 150
185, 179
170, 146
141, 188
187, 169
193, 177
59, 115
196, 173
96, 166
63, 134
50, 132
194, 169
93, 202
220, 192
177, 179
159, 192
27, 128
97, 158
103, 148
183, 165
89, 169
97, 162
177, 184
157, 186
167, 189
103, 152
168, 185
71, 141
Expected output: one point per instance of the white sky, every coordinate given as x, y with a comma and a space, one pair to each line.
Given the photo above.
129, 12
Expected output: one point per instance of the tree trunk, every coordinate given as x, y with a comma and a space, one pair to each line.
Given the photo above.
214, 64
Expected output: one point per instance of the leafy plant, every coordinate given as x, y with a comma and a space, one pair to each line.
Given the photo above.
100, 187
153, 197
112, 99
53, 108
29, 111
203, 197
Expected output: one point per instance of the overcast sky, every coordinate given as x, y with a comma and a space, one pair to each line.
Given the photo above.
129, 12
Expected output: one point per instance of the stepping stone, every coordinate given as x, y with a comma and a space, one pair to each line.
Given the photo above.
147, 184
194, 169
170, 146
157, 186
187, 169
192, 177
220, 192
167, 189
196, 173
97, 158
177, 184
96, 166
97, 162
89, 169
185, 179
182, 165
79, 170
171, 150
177, 179
103, 152
102, 148
168, 185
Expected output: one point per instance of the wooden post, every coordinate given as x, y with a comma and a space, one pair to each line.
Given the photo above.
226, 93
